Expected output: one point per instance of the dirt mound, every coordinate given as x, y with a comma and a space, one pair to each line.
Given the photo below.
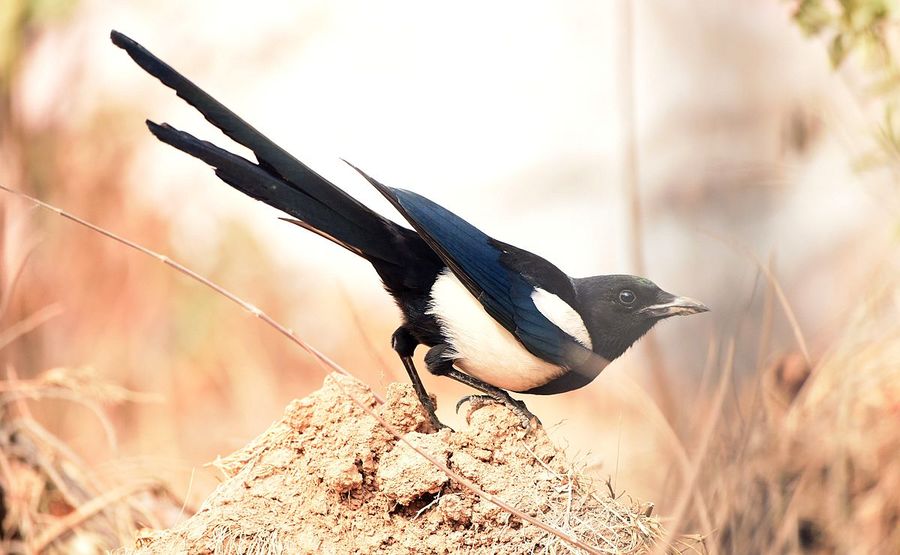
328, 478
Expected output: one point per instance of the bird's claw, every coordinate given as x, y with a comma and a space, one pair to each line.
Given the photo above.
476, 401
518, 407
438, 425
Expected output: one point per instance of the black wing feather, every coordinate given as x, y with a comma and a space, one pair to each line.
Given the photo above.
267, 153
478, 261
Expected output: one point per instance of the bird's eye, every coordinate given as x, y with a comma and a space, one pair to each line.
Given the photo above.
626, 297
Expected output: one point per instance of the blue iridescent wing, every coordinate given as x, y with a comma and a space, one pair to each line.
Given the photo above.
482, 265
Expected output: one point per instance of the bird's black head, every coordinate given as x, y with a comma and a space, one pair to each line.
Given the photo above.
619, 309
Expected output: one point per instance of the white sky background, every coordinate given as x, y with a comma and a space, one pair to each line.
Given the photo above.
508, 114
442, 102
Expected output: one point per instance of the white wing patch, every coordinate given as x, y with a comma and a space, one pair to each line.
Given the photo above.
560, 313
482, 347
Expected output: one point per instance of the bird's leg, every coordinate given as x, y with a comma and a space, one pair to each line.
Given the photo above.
440, 365
405, 344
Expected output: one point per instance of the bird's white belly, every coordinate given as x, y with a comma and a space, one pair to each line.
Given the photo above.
481, 346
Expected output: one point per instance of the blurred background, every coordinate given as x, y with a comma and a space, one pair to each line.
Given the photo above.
739, 152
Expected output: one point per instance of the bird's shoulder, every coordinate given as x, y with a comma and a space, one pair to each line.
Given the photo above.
537, 271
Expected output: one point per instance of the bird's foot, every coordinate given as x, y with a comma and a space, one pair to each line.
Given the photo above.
518, 407
432, 417
438, 425
475, 401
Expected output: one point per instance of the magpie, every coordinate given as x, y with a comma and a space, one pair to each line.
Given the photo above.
493, 316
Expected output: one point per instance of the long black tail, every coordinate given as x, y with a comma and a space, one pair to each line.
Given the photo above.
401, 257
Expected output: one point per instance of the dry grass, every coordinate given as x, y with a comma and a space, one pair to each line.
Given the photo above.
814, 469
51, 500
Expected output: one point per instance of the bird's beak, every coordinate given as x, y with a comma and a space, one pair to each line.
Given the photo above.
675, 306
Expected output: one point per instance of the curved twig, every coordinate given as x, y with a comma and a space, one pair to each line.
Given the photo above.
320, 358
